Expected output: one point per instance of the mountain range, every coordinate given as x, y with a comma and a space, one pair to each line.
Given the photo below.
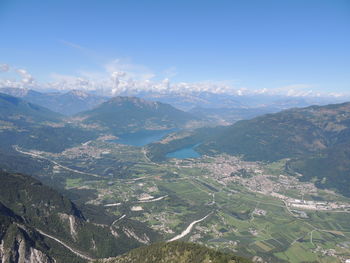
130, 114
19, 111
68, 103
230, 115
188, 99
71, 102
286, 134
33, 126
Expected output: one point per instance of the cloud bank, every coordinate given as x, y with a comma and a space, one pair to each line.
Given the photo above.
124, 78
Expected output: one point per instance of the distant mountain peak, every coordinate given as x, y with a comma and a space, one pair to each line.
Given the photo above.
78, 93
120, 100
16, 92
129, 114
68, 103
14, 107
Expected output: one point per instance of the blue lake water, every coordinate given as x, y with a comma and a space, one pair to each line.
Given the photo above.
184, 153
142, 138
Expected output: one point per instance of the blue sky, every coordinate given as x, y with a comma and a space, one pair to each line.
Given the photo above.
248, 44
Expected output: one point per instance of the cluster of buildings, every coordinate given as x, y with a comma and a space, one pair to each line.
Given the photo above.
226, 169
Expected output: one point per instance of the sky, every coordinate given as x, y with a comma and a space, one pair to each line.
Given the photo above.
248, 45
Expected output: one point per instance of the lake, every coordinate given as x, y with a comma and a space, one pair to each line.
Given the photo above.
184, 153
142, 138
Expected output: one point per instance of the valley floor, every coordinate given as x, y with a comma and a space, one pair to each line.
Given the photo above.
251, 208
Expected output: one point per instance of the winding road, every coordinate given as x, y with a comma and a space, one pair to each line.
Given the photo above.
54, 162
79, 254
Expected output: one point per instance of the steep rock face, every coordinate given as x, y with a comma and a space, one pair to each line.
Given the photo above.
17, 246
72, 222
144, 239
37, 256
19, 243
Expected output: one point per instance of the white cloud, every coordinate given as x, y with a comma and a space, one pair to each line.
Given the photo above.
4, 67
115, 76
295, 90
27, 78
15, 78
335, 94
68, 82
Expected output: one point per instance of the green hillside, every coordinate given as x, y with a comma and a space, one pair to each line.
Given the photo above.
17, 110
316, 138
129, 114
285, 134
328, 169
35, 127
176, 252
